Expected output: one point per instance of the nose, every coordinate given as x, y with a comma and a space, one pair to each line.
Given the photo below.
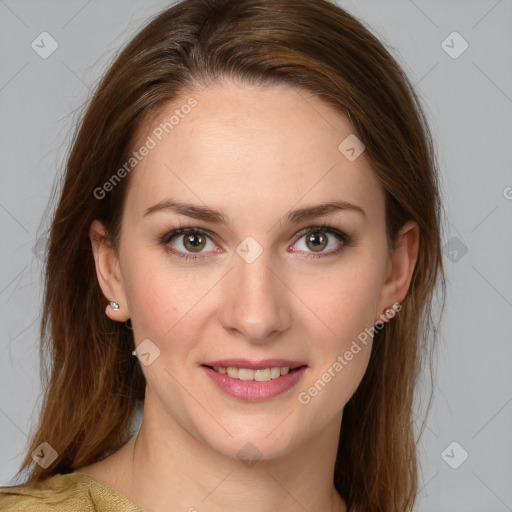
255, 300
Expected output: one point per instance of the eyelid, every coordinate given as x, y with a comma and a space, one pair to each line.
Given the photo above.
170, 234
321, 227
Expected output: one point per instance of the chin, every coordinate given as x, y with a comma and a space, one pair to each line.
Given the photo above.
250, 445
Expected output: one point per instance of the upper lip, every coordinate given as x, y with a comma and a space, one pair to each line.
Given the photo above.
254, 365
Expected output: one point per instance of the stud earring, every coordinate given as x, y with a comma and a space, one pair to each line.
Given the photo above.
114, 305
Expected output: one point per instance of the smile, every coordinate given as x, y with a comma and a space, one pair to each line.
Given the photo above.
254, 384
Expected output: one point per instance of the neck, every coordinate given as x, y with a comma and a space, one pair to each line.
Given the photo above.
166, 468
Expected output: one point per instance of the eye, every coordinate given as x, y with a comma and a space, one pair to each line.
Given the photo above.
189, 243
193, 240
318, 238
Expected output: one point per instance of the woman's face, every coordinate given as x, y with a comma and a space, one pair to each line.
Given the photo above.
252, 170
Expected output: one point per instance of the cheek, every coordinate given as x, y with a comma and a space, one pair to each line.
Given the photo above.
344, 300
346, 307
153, 300
340, 356
165, 300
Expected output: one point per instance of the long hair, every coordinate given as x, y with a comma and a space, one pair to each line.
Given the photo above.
91, 383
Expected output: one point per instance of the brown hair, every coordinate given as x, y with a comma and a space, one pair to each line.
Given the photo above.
92, 383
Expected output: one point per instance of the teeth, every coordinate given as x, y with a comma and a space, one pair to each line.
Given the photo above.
232, 372
245, 374
275, 372
261, 375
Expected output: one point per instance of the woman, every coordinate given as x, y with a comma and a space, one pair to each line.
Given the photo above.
248, 240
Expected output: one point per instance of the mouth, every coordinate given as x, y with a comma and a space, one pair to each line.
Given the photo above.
254, 381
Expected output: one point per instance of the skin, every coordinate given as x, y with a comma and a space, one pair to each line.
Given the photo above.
255, 154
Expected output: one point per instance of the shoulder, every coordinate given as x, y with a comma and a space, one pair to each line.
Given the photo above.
58, 492
72, 491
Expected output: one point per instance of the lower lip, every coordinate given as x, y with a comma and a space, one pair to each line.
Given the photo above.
253, 390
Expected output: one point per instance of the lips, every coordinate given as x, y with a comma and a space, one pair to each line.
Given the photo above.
254, 381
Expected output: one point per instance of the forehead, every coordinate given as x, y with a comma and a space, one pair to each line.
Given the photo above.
250, 147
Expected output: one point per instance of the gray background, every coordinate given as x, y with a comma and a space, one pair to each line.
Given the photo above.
468, 100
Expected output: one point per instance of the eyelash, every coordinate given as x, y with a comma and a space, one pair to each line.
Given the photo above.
345, 240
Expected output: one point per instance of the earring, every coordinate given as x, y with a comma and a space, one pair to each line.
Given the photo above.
395, 307
114, 305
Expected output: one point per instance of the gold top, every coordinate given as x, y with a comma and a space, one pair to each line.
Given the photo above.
72, 492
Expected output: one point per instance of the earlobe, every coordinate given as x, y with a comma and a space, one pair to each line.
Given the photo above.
401, 267
108, 273
111, 310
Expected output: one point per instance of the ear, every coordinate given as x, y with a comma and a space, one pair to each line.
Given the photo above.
400, 268
108, 272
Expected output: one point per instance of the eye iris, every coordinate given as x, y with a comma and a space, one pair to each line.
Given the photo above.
195, 240
317, 238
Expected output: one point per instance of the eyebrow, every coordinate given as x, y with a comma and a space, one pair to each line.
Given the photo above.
208, 214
